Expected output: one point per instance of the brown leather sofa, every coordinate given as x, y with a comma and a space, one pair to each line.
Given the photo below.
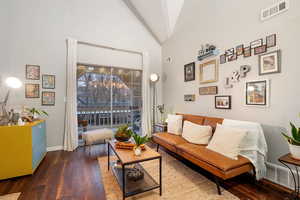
218, 165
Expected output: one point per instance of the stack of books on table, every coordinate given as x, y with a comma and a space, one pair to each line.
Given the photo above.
127, 145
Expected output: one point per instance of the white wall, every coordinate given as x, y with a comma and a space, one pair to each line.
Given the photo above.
228, 23
36, 33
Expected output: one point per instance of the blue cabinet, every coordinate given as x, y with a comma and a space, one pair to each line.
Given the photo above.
38, 143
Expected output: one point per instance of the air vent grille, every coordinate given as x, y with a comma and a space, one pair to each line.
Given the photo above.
274, 10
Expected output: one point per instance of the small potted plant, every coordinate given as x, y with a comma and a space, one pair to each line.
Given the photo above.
139, 141
123, 133
294, 141
36, 113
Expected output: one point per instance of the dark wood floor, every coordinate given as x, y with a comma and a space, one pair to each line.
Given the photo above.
75, 175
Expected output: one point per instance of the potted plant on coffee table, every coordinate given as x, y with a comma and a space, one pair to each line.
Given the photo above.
139, 141
294, 141
123, 134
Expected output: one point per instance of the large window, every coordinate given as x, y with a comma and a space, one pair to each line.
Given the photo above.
109, 96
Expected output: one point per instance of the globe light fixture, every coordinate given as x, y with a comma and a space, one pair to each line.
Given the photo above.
13, 82
154, 77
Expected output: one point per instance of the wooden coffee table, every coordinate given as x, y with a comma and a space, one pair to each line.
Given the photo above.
127, 157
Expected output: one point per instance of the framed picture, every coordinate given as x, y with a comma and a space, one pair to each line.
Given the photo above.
189, 97
240, 50
222, 59
256, 43
48, 81
189, 72
209, 72
48, 98
32, 72
211, 90
32, 90
260, 50
270, 63
247, 52
257, 93
229, 52
223, 102
271, 40
232, 57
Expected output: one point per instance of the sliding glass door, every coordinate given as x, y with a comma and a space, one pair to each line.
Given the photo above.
109, 97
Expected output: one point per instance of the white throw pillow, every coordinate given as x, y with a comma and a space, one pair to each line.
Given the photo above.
195, 133
227, 140
175, 124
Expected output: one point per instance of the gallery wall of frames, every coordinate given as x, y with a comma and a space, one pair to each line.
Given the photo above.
256, 91
39, 81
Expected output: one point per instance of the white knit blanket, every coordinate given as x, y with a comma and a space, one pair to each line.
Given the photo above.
253, 146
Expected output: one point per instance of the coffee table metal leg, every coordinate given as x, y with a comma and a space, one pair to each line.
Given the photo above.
123, 177
296, 193
108, 161
160, 178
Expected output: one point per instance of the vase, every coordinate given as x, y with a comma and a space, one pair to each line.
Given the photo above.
35, 116
137, 151
295, 151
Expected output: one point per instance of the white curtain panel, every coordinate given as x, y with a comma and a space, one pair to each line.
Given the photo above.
146, 110
71, 123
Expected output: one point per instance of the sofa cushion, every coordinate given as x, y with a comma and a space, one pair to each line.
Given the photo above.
169, 138
227, 140
175, 124
195, 133
213, 158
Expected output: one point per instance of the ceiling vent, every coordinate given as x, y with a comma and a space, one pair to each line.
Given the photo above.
274, 10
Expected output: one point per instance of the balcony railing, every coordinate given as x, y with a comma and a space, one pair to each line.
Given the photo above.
109, 119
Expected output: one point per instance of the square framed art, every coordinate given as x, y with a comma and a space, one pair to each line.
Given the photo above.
256, 43
48, 81
32, 72
189, 72
209, 72
189, 97
229, 52
48, 98
240, 50
260, 50
32, 90
257, 93
232, 57
271, 40
210, 90
270, 63
223, 59
247, 52
223, 102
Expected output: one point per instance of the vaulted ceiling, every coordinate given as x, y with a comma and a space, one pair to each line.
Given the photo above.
158, 16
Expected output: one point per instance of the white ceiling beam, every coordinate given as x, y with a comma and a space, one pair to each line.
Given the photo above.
141, 19
165, 12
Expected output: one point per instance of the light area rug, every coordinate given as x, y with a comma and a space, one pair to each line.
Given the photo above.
179, 182
13, 196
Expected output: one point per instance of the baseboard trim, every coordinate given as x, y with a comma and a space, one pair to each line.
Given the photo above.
54, 148
276, 186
